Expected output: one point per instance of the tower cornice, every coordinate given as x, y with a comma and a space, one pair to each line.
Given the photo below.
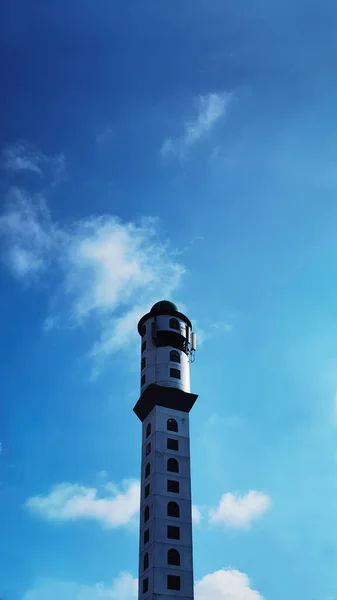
169, 397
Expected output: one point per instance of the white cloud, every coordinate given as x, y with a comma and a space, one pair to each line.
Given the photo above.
225, 584
240, 511
23, 157
124, 587
196, 515
114, 272
70, 502
108, 263
109, 270
210, 109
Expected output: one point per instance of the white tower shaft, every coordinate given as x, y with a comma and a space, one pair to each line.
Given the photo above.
165, 515
165, 546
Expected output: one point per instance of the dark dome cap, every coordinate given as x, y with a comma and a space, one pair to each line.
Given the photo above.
162, 307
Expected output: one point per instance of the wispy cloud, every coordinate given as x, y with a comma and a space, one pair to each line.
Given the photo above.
226, 584
23, 157
225, 327
210, 109
212, 331
28, 234
196, 515
240, 511
104, 137
50, 324
108, 270
124, 587
72, 501
179, 251
19, 158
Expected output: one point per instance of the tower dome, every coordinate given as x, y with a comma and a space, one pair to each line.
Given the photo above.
163, 307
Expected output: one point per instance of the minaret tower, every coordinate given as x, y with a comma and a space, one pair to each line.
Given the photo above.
165, 547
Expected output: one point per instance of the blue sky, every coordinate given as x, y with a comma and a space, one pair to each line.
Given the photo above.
188, 151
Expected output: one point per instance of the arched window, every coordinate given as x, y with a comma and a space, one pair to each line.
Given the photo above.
147, 470
174, 356
148, 429
143, 363
173, 465
173, 557
173, 510
146, 513
172, 425
142, 381
174, 324
146, 561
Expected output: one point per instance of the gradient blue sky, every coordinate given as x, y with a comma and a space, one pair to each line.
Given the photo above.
183, 150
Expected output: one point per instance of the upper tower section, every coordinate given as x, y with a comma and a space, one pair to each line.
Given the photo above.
167, 347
